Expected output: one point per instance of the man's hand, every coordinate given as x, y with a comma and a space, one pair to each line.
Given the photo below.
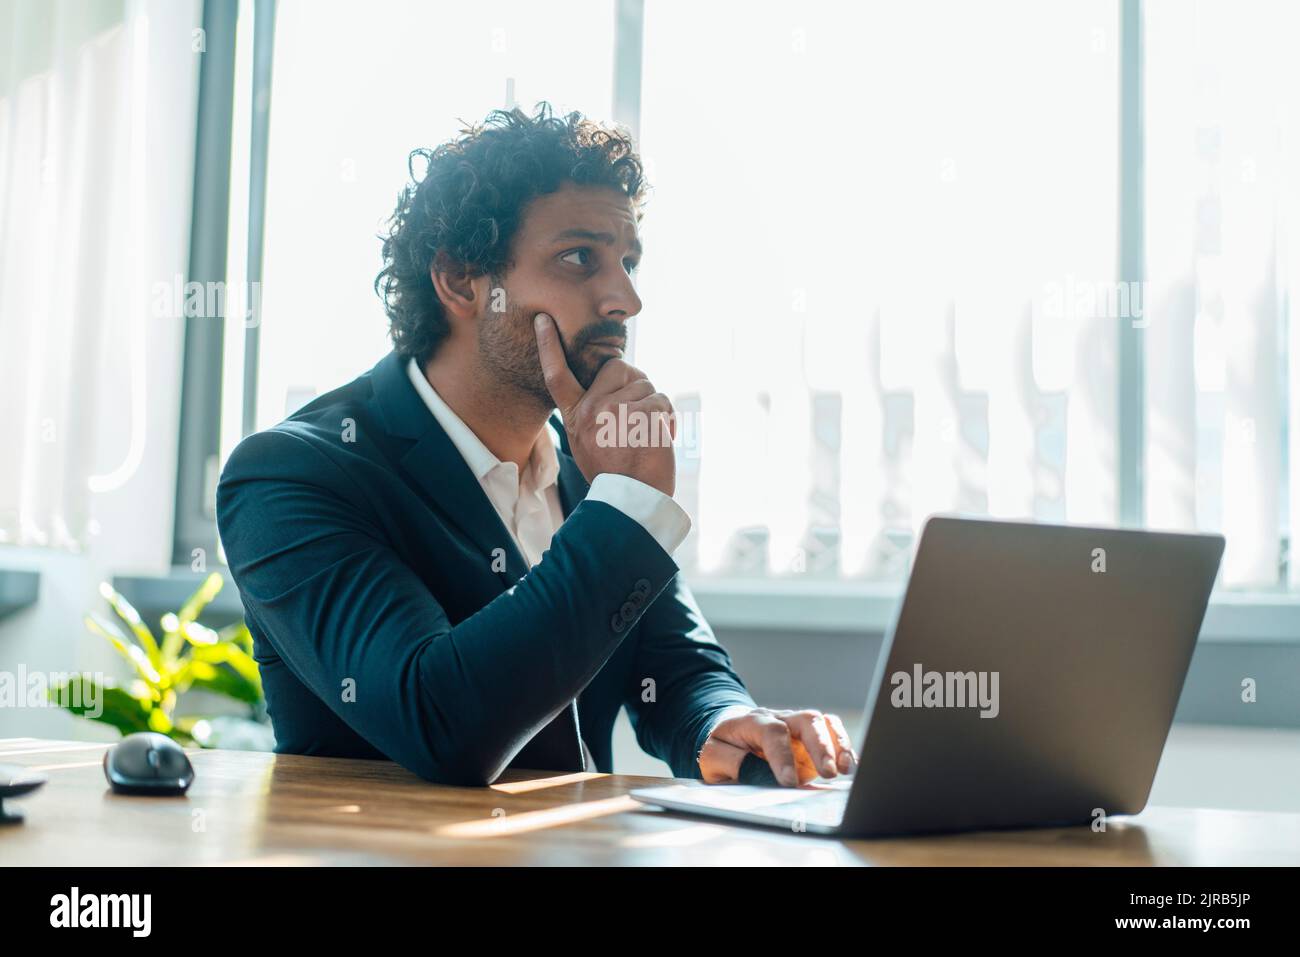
799, 745
617, 383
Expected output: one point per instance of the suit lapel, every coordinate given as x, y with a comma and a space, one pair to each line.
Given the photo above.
435, 466
573, 486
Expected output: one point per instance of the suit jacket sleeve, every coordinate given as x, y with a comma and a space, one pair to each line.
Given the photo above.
453, 704
683, 680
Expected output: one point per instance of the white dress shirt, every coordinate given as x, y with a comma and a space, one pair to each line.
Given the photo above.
529, 504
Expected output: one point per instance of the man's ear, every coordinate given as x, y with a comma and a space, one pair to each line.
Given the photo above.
455, 287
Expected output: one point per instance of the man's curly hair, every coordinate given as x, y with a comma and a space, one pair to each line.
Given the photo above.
466, 207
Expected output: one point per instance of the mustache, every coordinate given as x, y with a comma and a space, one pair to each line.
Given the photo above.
602, 329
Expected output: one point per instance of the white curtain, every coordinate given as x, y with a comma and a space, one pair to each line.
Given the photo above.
97, 105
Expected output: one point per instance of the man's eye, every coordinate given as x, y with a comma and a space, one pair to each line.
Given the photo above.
630, 265
586, 253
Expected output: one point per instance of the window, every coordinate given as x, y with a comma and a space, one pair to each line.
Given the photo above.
1223, 205
860, 214
901, 258
342, 125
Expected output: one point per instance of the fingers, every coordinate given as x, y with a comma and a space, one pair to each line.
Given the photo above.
634, 391
845, 757
655, 402
811, 729
614, 375
779, 751
720, 762
640, 399
769, 738
560, 381
658, 410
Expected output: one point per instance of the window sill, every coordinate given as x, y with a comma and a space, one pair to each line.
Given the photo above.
830, 606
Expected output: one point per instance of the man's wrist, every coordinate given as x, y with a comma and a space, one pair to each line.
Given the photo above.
726, 714
665, 520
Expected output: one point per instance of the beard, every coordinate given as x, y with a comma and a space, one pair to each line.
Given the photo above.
507, 346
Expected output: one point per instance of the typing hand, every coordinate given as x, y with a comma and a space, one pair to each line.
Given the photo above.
799, 746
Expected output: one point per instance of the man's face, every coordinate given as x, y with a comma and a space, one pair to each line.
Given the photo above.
572, 259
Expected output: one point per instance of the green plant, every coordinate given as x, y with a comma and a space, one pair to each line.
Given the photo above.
190, 655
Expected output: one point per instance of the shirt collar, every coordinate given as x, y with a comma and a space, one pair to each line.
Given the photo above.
543, 461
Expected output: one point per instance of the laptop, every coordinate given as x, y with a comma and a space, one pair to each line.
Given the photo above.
1029, 680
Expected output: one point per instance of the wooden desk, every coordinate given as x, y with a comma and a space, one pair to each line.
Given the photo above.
258, 808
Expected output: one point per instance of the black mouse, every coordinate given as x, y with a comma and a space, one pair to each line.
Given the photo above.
148, 763
754, 770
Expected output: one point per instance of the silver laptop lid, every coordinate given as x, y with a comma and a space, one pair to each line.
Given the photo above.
1031, 675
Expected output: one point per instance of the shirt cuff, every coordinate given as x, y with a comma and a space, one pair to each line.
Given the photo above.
665, 520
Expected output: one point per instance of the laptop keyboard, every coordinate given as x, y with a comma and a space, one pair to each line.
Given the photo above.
823, 808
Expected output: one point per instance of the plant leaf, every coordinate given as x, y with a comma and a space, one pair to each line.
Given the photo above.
194, 606
175, 625
233, 672
238, 634
226, 682
132, 653
197, 634
241, 661
158, 721
117, 708
126, 611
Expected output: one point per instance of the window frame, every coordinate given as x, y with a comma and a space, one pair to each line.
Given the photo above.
194, 530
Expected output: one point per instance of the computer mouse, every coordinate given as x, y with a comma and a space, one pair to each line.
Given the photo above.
148, 763
754, 770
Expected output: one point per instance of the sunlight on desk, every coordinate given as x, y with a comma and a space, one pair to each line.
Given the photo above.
504, 824
538, 784
683, 837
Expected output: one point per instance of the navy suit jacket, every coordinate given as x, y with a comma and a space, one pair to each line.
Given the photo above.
393, 616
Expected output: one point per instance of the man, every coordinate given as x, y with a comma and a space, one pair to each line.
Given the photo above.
426, 576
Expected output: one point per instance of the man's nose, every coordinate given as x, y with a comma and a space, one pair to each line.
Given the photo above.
619, 300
